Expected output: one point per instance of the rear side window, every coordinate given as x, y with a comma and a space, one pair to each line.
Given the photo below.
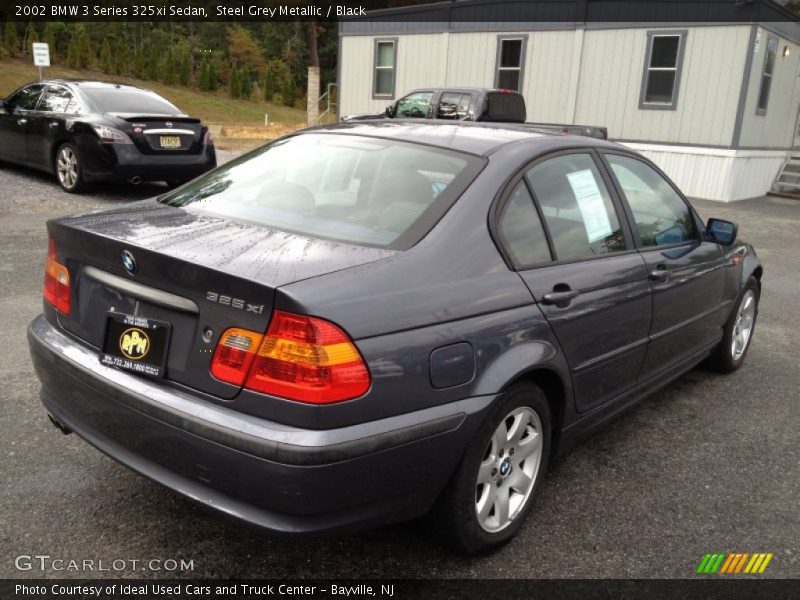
577, 207
453, 105
124, 100
660, 214
56, 99
521, 231
349, 188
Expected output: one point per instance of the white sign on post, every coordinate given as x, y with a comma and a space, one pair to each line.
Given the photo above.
41, 54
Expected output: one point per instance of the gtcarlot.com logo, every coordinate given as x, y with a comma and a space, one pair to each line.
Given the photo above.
45, 562
734, 563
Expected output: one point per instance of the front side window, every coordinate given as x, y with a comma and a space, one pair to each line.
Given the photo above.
414, 106
27, 98
384, 68
766, 77
348, 188
577, 207
510, 63
56, 99
660, 214
662, 70
521, 231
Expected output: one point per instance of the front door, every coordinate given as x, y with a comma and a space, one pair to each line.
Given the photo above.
14, 118
594, 293
686, 272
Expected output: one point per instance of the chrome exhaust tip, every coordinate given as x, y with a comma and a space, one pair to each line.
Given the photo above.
62, 428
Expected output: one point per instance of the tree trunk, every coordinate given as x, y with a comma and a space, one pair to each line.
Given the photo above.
313, 47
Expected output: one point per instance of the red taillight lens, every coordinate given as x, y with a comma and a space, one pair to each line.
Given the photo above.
56, 281
308, 360
299, 358
234, 355
208, 139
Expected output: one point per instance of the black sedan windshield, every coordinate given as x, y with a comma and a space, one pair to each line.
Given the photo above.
126, 100
349, 188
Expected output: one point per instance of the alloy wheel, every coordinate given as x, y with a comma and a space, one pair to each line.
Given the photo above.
743, 327
67, 167
508, 470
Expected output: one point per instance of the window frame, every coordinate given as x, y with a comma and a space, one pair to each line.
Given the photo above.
73, 98
42, 85
499, 54
681, 34
629, 216
376, 49
501, 199
762, 112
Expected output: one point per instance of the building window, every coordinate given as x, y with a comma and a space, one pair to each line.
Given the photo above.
385, 67
510, 62
766, 76
662, 70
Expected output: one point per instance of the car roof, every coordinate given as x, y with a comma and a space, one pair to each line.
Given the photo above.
94, 83
481, 138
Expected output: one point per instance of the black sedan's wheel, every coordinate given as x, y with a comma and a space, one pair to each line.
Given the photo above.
738, 333
68, 169
492, 489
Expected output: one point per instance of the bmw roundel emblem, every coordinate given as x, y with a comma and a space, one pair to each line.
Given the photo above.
168, 124
128, 262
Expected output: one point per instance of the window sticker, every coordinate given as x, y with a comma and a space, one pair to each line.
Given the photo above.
590, 203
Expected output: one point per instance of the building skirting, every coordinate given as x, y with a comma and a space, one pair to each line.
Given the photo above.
716, 173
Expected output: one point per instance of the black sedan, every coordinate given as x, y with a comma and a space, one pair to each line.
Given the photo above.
366, 323
84, 131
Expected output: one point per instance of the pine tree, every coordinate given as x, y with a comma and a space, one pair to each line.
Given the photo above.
151, 70
169, 68
73, 58
288, 90
184, 74
106, 58
233, 83
213, 78
49, 38
273, 76
10, 38
245, 84
84, 47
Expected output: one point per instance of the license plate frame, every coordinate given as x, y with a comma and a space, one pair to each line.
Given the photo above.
136, 344
170, 142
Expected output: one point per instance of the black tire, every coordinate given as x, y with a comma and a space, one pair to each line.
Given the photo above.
68, 169
455, 516
724, 359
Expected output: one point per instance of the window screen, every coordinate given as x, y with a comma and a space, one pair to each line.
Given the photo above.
662, 69
384, 68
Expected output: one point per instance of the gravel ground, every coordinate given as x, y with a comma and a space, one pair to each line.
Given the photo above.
708, 464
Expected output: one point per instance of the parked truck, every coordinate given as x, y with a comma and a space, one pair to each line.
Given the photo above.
472, 104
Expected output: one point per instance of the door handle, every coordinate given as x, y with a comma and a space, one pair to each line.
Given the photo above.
660, 273
22, 121
53, 123
560, 297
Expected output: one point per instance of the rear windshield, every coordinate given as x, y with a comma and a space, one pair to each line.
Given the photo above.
506, 107
349, 188
143, 102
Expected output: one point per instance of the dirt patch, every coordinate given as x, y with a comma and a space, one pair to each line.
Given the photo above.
259, 132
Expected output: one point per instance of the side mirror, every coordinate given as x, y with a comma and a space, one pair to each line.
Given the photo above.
390, 111
722, 232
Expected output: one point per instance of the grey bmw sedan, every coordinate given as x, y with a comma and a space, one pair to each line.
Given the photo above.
367, 323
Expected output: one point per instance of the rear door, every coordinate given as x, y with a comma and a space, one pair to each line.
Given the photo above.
14, 120
576, 255
686, 272
46, 125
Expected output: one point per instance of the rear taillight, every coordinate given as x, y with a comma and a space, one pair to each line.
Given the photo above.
110, 135
299, 358
56, 281
234, 355
208, 139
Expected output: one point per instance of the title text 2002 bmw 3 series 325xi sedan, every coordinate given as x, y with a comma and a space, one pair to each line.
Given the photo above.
365, 323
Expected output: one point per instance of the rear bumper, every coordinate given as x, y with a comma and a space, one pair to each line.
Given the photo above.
123, 162
281, 478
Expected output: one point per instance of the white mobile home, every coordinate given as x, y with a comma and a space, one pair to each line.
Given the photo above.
714, 103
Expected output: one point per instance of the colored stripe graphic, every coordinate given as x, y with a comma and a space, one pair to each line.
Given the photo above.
727, 563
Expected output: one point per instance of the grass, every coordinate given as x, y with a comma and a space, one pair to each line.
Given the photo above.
214, 108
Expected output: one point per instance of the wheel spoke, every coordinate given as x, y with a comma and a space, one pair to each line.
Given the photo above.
501, 502
531, 444
520, 481
485, 502
485, 472
517, 429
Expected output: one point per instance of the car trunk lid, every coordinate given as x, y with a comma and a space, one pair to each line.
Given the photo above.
164, 134
200, 274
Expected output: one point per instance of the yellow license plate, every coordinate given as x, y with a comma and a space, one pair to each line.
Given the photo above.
170, 141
